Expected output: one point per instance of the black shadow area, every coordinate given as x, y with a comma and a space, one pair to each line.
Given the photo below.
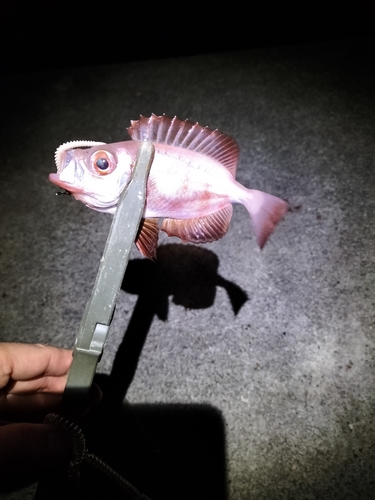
189, 275
166, 451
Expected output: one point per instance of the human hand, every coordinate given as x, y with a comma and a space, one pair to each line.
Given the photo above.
32, 380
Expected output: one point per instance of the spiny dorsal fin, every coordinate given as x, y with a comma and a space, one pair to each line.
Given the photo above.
201, 229
188, 135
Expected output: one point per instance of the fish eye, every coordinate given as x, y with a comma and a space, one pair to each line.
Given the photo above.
103, 162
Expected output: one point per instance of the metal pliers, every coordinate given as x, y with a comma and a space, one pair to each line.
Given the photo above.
99, 310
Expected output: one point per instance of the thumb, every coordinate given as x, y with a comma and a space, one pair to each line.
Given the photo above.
29, 450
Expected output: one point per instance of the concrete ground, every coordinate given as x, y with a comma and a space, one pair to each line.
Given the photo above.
248, 374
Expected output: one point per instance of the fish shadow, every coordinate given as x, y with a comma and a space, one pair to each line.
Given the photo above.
189, 275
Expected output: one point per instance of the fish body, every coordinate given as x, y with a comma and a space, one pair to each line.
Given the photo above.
191, 185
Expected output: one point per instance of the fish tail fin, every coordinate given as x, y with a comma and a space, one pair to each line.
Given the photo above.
265, 211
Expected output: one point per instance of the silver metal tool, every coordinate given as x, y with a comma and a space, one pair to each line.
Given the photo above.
100, 308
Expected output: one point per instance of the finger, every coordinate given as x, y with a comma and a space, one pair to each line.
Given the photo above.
39, 365
42, 384
29, 450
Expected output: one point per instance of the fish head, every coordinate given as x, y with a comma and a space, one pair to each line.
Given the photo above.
93, 172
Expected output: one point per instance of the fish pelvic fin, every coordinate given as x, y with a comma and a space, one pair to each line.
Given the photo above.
266, 212
201, 229
147, 237
187, 135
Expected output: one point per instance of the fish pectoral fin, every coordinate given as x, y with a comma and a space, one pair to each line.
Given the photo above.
147, 237
201, 229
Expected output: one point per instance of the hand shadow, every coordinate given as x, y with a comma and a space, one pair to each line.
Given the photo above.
188, 274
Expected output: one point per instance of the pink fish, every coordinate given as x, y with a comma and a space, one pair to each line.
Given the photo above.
191, 185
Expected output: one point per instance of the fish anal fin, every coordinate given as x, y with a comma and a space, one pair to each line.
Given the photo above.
147, 237
201, 229
187, 135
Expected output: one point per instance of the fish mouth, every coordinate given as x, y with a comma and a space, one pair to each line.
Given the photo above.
55, 179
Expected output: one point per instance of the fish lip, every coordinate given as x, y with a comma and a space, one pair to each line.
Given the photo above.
55, 179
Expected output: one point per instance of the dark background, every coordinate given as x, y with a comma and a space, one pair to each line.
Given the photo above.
45, 34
